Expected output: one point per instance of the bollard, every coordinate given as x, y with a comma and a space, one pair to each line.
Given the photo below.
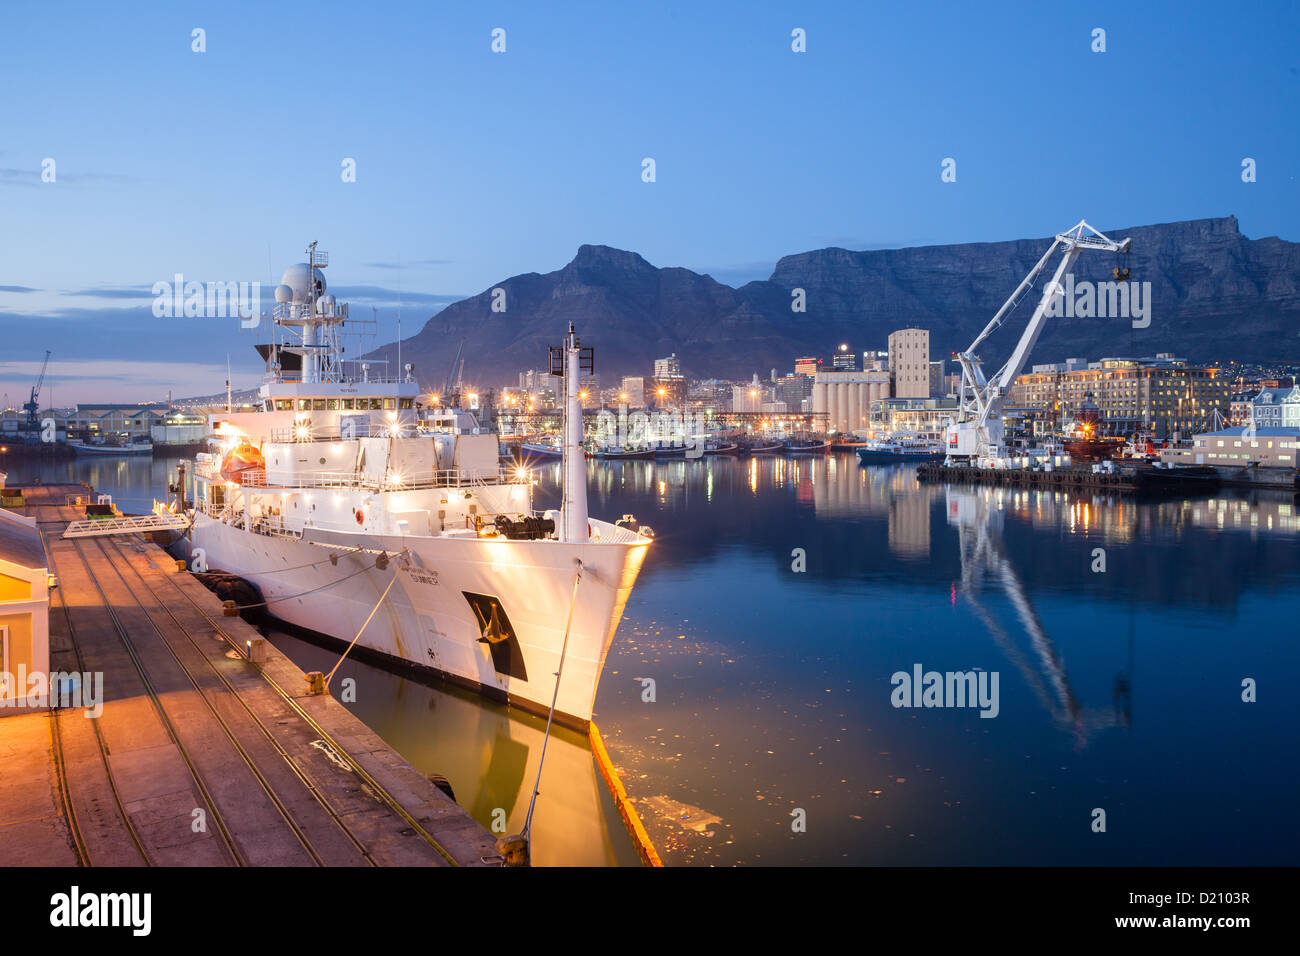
315, 683
514, 849
229, 609
257, 650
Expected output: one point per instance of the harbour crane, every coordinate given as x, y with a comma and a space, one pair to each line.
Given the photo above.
453, 375
32, 405
976, 432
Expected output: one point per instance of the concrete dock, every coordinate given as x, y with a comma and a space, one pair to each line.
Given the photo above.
199, 757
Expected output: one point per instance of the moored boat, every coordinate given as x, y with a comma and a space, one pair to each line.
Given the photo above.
900, 449
342, 498
806, 446
126, 448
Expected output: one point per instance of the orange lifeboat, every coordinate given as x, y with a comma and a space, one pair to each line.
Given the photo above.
243, 458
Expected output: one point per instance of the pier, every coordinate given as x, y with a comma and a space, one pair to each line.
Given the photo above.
1124, 478
200, 756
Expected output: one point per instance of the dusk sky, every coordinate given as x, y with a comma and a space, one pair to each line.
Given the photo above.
472, 166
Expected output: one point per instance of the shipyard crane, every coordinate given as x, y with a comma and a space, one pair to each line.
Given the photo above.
453, 374
975, 434
32, 406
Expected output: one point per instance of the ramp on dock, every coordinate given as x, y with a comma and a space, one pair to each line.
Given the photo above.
199, 757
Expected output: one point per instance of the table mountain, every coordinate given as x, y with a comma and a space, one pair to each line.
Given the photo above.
1215, 294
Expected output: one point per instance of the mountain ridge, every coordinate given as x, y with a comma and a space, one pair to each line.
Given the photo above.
1216, 295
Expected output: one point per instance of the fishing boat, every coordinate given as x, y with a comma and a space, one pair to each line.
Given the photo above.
361, 517
806, 446
721, 448
136, 447
534, 450
766, 447
900, 449
621, 453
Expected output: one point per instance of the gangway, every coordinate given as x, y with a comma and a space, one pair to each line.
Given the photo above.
126, 524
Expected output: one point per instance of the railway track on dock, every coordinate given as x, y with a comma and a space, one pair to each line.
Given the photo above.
373, 785
235, 854
189, 721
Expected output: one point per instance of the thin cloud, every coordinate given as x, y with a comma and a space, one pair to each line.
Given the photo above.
413, 262
378, 294
17, 288
113, 293
32, 177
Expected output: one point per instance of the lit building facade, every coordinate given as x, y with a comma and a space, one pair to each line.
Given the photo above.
909, 363
845, 398
1164, 396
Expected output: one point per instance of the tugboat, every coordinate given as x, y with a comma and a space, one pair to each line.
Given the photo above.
363, 517
1083, 441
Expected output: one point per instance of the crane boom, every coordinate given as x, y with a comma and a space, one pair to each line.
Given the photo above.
976, 432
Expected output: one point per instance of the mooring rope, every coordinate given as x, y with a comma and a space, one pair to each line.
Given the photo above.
537, 787
330, 675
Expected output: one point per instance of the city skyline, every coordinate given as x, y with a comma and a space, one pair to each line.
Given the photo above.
430, 219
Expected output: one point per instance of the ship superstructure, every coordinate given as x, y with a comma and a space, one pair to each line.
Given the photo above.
355, 510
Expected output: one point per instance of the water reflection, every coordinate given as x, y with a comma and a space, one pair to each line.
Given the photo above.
489, 754
773, 686
134, 481
985, 565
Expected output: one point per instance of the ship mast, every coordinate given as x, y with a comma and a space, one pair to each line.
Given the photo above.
570, 361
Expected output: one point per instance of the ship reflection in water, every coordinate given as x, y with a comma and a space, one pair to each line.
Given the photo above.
489, 755
1121, 629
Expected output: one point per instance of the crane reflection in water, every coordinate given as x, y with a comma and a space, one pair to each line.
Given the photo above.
978, 518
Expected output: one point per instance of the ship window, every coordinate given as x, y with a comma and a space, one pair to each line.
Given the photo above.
318, 404
304, 404
332, 404
347, 404
267, 404
284, 404
404, 403
390, 403
376, 403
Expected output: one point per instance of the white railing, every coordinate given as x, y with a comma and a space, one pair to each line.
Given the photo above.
442, 478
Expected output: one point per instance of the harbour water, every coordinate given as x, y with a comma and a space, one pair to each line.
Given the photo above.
749, 696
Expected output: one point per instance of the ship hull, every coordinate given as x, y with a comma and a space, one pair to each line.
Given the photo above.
428, 622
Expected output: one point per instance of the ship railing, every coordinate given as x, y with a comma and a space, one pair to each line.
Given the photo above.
440, 478
273, 526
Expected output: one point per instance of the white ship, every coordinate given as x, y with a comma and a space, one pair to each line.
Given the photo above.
356, 510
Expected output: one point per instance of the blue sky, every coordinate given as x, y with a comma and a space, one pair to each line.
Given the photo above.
472, 166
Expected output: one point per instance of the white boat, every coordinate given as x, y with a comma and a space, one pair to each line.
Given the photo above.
354, 512
128, 448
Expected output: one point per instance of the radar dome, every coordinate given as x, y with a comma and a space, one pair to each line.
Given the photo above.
296, 277
283, 293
